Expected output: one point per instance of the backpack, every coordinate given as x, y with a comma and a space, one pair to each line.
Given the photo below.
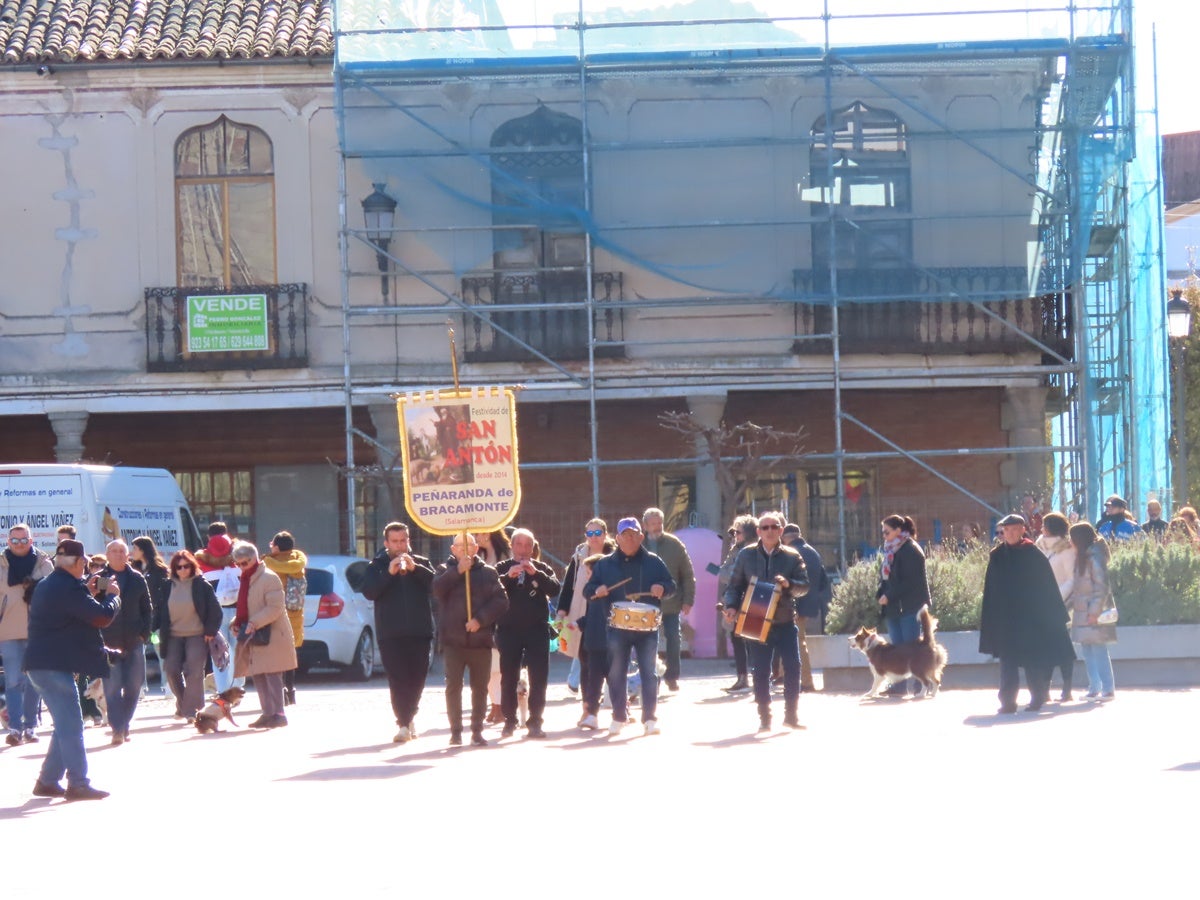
294, 593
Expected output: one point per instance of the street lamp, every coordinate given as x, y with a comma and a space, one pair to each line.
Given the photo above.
379, 214
1179, 325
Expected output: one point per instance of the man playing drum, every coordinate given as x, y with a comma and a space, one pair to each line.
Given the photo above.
782, 568
633, 581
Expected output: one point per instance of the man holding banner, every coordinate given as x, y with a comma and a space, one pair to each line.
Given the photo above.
467, 611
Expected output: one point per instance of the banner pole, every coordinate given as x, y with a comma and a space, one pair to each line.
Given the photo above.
453, 355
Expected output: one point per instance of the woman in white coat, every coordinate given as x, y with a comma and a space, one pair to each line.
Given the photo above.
1056, 545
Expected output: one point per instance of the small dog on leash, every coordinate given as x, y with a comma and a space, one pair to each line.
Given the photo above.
95, 693
220, 707
923, 659
523, 701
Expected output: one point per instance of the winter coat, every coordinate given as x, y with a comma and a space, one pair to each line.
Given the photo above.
488, 603
288, 564
1022, 616
64, 626
529, 599
14, 611
131, 629
203, 599
402, 604
571, 600
1118, 528
1061, 554
907, 584
264, 605
754, 560
1089, 595
674, 555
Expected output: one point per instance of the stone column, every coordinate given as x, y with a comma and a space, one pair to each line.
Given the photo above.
1023, 416
708, 410
69, 426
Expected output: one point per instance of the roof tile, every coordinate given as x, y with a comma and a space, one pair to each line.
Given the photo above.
35, 31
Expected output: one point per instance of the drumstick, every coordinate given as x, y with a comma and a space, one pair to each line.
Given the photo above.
613, 587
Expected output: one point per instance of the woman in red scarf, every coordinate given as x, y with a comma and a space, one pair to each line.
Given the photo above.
260, 607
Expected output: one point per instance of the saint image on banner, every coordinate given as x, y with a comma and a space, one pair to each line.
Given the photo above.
460, 458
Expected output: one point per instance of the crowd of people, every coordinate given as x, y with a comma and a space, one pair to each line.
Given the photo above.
495, 608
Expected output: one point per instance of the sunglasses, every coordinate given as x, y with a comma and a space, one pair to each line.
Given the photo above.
19, 542
769, 527
184, 567
594, 532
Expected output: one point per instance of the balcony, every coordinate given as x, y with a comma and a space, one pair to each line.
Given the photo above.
915, 311
506, 302
254, 327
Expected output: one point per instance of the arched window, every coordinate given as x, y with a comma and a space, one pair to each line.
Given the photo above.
538, 244
224, 206
860, 165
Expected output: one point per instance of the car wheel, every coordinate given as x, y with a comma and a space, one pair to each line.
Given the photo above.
363, 665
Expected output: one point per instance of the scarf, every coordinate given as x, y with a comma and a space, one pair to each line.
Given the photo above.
242, 615
20, 567
890, 546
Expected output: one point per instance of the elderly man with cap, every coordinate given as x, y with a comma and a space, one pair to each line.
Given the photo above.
1117, 524
1022, 620
631, 572
65, 619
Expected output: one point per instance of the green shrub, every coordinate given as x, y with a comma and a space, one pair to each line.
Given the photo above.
1153, 584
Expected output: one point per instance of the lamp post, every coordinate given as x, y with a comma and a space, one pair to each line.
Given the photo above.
379, 214
1179, 325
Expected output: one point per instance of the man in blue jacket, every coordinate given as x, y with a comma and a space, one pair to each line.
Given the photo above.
631, 572
64, 639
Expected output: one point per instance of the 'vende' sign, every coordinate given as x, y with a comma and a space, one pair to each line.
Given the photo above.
225, 322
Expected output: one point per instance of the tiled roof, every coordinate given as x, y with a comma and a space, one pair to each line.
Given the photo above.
40, 31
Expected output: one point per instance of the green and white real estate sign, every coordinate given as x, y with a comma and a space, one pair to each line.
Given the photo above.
225, 322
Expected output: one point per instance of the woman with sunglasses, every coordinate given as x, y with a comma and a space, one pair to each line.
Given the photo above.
572, 606
903, 584
185, 622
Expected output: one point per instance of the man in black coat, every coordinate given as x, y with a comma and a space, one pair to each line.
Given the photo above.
1023, 620
398, 584
522, 633
127, 635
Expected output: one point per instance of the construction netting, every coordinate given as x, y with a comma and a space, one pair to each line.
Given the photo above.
946, 177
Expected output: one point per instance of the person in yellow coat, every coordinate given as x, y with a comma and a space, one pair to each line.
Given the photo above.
288, 563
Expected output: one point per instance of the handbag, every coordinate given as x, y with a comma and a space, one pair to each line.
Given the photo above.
261, 636
1109, 615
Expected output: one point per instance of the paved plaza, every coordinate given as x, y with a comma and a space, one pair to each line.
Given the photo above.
944, 798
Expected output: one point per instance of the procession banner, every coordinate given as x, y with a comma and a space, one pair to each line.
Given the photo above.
460, 458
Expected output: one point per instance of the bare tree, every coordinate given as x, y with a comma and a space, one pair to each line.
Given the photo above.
740, 455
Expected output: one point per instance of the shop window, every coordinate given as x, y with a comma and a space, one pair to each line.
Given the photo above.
221, 496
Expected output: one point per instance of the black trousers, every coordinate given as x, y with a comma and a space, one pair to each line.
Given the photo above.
1037, 678
530, 647
478, 662
406, 662
741, 660
593, 668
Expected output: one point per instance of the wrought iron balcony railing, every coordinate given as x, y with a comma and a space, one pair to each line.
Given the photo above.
506, 316
254, 327
917, 311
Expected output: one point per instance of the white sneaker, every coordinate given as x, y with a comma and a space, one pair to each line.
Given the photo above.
651, 727
402, 736
615, 728
589, 723
412, 730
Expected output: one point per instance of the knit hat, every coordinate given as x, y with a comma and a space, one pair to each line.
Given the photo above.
219, 545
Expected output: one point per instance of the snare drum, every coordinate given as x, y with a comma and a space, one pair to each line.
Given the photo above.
629, 615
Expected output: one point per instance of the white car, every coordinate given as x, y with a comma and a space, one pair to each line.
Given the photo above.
339, 622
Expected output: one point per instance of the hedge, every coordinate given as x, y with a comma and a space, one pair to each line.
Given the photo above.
1153, 584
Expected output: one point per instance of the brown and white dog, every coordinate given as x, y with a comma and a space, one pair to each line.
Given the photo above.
923, 659
220, 707
95, 692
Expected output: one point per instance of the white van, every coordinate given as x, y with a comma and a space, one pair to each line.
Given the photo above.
102, 502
